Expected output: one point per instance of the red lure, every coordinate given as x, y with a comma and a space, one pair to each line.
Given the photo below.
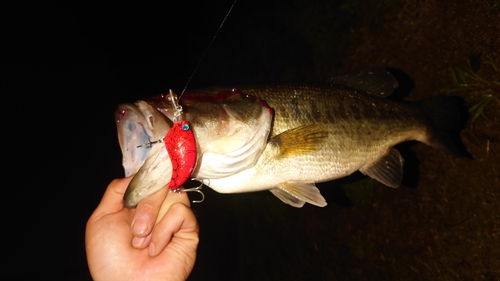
181, 147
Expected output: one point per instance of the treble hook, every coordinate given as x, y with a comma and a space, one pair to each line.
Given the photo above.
193, 189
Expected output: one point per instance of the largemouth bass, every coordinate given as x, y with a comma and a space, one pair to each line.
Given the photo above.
284, 138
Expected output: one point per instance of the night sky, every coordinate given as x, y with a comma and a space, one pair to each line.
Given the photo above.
65, 70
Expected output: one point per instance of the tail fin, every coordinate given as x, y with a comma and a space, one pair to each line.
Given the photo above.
445, 113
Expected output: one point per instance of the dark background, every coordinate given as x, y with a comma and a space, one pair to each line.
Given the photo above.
66, 67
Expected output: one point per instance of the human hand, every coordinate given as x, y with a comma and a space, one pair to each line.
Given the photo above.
165, 248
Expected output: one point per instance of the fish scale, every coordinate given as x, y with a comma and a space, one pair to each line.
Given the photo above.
314, 133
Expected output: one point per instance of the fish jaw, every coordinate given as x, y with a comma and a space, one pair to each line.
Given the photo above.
153, 175
139, 124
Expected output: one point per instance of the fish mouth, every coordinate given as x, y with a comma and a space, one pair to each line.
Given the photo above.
138, 126
132, 133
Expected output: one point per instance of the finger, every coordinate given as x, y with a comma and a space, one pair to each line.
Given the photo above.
141, 242
112, 200
179, 222
173, 197
146, 213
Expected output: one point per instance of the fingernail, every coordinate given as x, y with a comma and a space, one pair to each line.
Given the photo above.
140, 225
151, 249
137, 242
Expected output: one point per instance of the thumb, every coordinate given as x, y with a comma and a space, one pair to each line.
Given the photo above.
112, 200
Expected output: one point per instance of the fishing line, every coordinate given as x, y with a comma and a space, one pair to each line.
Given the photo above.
208, 47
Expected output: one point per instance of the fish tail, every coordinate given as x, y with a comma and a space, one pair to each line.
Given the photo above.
445, 114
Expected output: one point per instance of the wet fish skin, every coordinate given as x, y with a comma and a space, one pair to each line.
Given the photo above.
319, 133
361, 131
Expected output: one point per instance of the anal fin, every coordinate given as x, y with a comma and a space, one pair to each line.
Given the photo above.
388, 170
296, 194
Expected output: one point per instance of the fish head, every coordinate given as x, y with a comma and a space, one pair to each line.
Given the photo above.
139, 125
231, 130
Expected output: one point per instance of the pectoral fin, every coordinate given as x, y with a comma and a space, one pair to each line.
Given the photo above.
300, 140
298, 193
388, 170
